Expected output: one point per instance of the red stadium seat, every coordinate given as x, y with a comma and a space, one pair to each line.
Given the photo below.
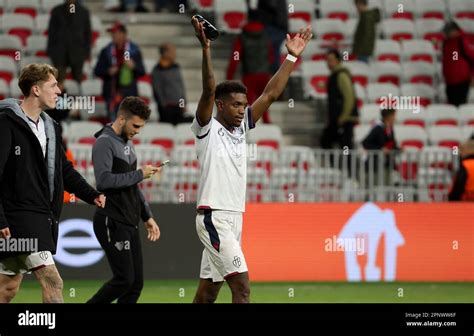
387, 50
4, 89
411, 136
87, 141
399, 9
429, 9
8, 68
301, 9
230, 15
412, 143
445, 136
25, 7
319, 83
204, 4
269, 143
402, 36
26, 10
268, 135
165, 143
398, 29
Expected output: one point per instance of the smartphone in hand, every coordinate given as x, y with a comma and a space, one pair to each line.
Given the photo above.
164, 163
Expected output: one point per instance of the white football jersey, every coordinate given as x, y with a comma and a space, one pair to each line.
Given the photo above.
222, 158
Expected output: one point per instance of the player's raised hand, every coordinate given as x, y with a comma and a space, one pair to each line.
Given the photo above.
153, 230
199, 30
297, 44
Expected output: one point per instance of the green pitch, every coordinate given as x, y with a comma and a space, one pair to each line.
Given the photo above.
182, 291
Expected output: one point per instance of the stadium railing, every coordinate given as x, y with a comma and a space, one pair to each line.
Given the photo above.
314, 176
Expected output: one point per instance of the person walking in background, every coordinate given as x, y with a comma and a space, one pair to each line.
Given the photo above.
120, 64
69, 39
366, 31
342, 104
458, 64
168, 87
253, 50
274, 16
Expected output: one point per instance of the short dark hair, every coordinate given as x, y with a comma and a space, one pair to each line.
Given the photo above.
230, 86
336, 53
34, 74
450, 26
134, 106
387, 112
164, 47
361, 2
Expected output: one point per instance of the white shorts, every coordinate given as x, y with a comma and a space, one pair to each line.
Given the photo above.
25, 263
221, 233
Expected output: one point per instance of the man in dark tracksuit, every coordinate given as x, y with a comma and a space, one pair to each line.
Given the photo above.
34, 173
116, 226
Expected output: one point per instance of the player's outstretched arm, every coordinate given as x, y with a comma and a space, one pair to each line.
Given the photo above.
206, 102
277, 84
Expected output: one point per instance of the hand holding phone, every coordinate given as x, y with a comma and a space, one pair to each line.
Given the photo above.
149, 171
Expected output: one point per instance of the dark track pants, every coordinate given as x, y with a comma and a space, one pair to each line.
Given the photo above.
122, 247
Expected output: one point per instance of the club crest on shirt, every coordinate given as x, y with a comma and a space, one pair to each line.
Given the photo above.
238, 131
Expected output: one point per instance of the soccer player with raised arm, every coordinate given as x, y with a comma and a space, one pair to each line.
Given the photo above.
221, 151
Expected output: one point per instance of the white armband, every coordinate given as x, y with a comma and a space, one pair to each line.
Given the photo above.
291, 58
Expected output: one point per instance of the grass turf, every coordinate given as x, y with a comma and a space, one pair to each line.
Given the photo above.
182, 291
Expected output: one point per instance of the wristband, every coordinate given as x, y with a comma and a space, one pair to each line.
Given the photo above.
291, 58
